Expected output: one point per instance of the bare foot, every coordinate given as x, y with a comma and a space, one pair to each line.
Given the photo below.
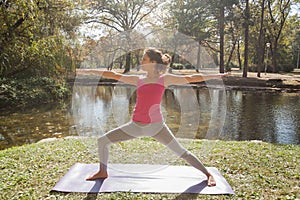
210, 181
98, 175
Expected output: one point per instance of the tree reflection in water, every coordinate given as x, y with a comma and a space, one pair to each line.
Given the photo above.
189, 112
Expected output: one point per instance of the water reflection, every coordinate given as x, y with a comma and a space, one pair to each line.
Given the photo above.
271, 117
213, 114
189, 112
32, 125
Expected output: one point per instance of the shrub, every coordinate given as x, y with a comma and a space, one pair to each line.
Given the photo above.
189, 66
177, 66
286, 67
31, 91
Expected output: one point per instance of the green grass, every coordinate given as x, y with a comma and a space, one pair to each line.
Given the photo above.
255, 170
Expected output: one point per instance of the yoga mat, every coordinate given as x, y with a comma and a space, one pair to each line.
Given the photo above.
142, 178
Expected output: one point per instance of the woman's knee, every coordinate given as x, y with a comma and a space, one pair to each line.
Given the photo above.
103, 141
186, 154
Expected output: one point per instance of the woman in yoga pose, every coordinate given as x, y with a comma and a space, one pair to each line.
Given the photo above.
147, 119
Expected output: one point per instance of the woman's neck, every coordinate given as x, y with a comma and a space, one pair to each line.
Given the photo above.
152, 76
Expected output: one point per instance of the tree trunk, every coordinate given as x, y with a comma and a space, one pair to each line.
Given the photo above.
127, 62
231, 54
221, 26
128, 55
247, 18
277, 24
260, 49
239, 55
198, 58
274, 58
137, 57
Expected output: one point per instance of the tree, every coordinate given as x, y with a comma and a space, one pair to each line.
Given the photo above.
278, 12
221, 31
260, 48
32, 36
258, 38
246, 24
121, 16
222, 11
224, 20
192, 17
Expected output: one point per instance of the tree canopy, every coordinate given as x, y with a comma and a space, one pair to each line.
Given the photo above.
43, 37
33, 36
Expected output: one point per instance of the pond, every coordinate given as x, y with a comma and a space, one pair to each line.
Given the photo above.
190, 112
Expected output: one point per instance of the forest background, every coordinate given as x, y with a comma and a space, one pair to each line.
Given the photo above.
42, 42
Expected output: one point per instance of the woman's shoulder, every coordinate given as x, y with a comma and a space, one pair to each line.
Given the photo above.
174, 79
129, 79
168, 76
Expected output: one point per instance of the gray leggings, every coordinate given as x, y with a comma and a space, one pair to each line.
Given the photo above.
158, 131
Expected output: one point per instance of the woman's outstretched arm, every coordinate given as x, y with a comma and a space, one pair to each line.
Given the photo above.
171, 79
129, 79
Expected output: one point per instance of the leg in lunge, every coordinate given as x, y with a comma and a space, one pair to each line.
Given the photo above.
103, 145
166, 137
195, 162
104, 142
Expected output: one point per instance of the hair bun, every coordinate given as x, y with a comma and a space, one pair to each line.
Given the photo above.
166, 59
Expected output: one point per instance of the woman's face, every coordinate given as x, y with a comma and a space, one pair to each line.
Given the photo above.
147, 65
145, 59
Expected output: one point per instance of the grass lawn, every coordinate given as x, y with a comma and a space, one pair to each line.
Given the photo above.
255, 170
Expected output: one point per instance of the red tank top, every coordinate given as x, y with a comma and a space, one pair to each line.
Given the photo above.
147, 108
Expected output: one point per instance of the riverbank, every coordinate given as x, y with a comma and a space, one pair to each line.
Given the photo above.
253, 169
286, 82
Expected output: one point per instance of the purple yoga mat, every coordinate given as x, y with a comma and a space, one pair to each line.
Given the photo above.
142, 178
